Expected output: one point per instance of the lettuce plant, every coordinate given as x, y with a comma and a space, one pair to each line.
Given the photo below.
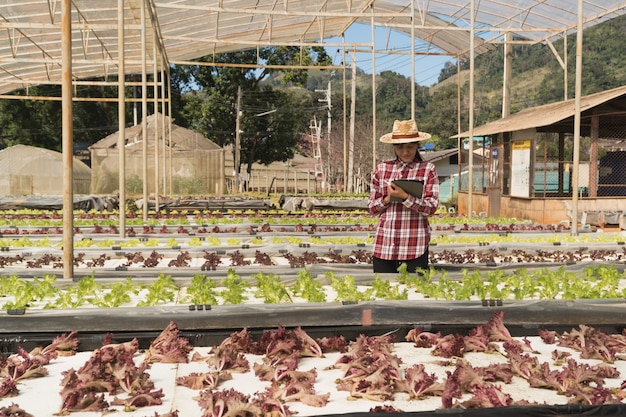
270, 288
201, 291
347, 289
162, 290
234, 288
308, 288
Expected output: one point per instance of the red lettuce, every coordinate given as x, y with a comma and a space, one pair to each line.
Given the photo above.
169, 347
487, 396
227, 403
418, 383
422, 338
110, 369
13, 410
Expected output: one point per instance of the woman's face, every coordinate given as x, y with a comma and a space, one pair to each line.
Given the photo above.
406, 151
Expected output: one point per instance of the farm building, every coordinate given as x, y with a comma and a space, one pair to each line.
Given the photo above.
296, 175
29, 170
527, 169
191, 165
447, 163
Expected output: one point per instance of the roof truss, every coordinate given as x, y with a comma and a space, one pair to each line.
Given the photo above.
184, 30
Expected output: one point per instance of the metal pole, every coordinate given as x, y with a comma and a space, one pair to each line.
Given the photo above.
565, 74
169, 136
345, 117
578, 89
121, 115
350, 187
68, 141
163, 111
329, 115
412, 60
459, 141
373, 102
470, 179
156, 123
144, 113
237, 161
506, 82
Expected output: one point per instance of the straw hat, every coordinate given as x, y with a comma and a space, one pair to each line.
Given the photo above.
404, 131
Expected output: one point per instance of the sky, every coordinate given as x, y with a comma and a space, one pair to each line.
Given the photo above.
427, 67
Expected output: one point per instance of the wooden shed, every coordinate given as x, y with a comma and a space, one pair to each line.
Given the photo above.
529, 169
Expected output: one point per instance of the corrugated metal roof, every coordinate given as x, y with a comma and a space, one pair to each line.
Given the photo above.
30, 46
546, 115
435, 156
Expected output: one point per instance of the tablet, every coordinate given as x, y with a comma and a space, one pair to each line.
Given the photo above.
413, 187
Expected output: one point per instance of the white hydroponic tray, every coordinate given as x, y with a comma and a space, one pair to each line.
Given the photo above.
40, 396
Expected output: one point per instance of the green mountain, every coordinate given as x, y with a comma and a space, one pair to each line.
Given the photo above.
537, 78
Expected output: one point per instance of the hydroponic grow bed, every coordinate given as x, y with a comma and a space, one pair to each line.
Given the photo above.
340, 250
515, 358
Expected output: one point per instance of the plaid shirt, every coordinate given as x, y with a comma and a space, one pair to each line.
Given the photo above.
403, 231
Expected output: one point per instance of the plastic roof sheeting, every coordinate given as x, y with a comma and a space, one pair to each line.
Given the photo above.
182, 30
26, 170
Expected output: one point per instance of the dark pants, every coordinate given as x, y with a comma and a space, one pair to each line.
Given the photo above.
385, 266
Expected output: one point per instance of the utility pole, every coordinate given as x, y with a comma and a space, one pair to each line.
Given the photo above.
329, 106
237, 143
316, 130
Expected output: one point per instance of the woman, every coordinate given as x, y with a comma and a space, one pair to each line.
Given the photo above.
403, 232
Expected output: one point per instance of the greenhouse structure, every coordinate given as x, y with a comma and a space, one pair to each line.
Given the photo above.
28, 170
222, 309
190, 163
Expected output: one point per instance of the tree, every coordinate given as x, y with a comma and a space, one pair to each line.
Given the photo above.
442, 120
272, 133
271, 120
393, 97
39, 122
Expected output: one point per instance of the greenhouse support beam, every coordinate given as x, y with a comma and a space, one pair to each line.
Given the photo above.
350, 184
374, 113
345, 113
412, 60
68, 166
160, 172
578, 93
121, 115
470, 179
144, 112
155, 86
507, 76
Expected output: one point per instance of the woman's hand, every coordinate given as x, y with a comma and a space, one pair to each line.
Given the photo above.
395, 191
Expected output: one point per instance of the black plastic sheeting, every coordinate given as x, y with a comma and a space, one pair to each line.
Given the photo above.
55, 202
213, 204
522, 318
513, 411
294, 203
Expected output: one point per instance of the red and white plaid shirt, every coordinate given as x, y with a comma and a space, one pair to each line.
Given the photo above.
403, 231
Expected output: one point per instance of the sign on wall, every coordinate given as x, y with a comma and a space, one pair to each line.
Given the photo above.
520, 168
